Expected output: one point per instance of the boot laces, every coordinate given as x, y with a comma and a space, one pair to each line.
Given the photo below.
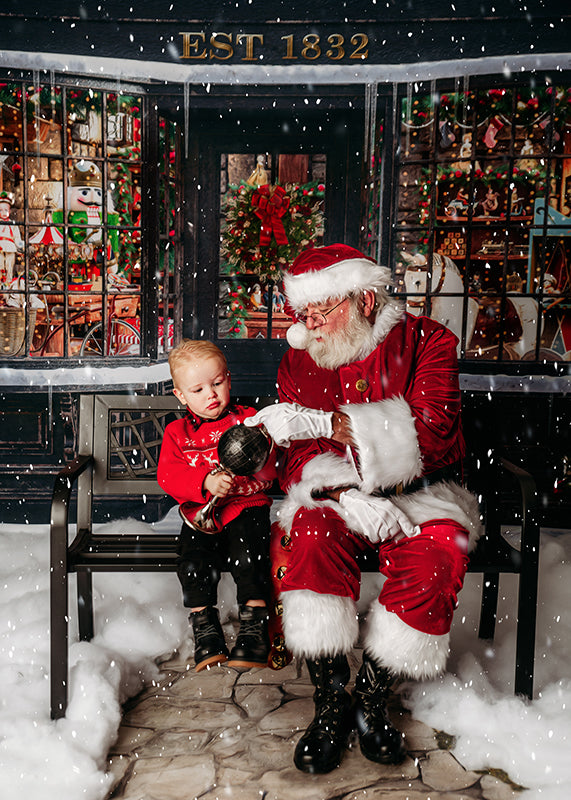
208, 629
250, 627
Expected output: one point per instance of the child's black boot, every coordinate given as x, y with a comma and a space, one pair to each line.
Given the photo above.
252, 644
209, 645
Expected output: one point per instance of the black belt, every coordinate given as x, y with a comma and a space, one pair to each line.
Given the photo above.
450, 472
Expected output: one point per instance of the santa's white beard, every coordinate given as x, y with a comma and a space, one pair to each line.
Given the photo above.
347, 344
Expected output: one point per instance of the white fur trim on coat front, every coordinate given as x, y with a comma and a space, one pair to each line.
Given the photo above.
443, 500
318, 625
402, 649
325, 470
386, 442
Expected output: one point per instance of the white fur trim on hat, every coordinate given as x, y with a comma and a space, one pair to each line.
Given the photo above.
387, 442
346, 277
317, 625
402, 649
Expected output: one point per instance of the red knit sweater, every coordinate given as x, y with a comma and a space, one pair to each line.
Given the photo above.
189, 453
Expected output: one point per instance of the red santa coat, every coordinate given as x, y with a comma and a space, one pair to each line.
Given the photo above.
189, 453
403, 401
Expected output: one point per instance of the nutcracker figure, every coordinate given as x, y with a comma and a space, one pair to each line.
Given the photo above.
84, 217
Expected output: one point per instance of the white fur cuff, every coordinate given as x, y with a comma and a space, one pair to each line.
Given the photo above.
387, 442
317, 625
402, 649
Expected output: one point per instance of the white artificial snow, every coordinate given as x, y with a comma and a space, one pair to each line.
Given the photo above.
136, 377
249, 74
140, 620
85, 376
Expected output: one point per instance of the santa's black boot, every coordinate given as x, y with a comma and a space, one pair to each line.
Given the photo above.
252, 643
321, 747
379, 739
209, 645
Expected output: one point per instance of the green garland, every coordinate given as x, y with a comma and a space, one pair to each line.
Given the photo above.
46, 98
530, 106
124, 199
241, 252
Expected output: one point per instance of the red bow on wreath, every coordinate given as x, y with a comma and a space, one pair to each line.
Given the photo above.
270, 208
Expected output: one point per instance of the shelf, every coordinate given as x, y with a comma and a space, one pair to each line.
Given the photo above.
485, 219
478, 257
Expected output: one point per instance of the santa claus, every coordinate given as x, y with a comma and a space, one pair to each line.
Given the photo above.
370, 431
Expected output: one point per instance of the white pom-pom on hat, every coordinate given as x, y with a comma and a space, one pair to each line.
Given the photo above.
297, 336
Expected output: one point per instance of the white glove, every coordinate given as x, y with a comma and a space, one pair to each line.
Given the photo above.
286, 422
375, 518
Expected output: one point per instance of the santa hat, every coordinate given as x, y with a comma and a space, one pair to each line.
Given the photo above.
327, 273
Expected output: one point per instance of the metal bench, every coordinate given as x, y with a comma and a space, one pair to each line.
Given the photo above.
119, 445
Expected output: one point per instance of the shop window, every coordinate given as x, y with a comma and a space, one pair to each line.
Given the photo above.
272, 208
70, 217
483, 216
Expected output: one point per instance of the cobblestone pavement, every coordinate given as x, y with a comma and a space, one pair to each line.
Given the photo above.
222, 734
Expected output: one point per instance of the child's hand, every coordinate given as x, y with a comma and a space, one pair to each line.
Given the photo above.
218, 483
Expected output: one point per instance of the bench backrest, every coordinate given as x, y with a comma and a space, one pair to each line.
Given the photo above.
124, 433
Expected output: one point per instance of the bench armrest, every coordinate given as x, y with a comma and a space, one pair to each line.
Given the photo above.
61, 496
529, 503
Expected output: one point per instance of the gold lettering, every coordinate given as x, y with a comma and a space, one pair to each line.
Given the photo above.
249, 37
189, 44
361, 51
216, 44
311, 49
289, 52
337, 51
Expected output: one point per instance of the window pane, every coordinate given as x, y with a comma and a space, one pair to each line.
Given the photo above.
171, 259
124, 126
70, 230
84, 122
483, 218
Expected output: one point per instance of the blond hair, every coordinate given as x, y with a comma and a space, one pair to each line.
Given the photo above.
192, 350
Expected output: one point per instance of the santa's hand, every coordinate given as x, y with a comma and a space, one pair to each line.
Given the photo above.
286, 422
375, 518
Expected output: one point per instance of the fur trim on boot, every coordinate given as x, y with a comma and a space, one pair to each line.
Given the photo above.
317, 625
402, 649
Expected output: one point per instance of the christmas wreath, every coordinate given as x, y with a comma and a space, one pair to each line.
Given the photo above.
264, 228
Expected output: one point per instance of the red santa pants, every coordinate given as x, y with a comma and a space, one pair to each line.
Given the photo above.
423, 573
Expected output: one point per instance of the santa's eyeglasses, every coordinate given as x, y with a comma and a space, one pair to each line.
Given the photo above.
319, 317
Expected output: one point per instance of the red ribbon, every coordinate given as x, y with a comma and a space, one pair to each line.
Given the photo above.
270, 208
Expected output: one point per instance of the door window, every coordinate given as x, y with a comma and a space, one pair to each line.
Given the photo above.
272, 208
